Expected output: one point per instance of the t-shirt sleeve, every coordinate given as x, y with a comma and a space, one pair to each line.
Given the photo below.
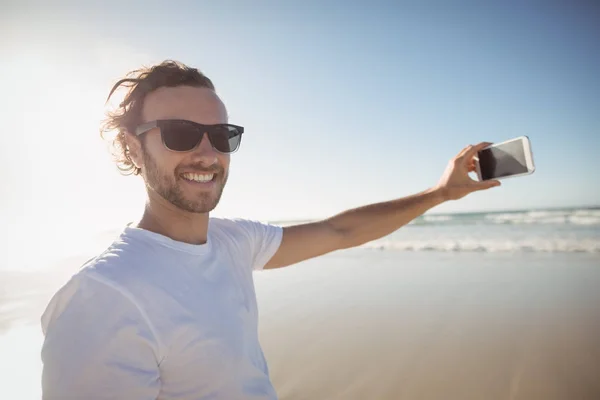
262, 239
97, 345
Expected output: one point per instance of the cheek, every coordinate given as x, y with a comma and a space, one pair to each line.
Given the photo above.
224, 161
164, 160
153, 144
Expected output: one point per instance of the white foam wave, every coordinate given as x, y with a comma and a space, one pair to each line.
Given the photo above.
575, 217
437, 218
584, 220
491, 246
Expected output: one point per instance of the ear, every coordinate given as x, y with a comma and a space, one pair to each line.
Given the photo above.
134, 147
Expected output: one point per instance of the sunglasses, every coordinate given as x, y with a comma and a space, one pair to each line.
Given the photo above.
183, 135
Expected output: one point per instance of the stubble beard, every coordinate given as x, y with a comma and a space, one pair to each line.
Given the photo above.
169, 188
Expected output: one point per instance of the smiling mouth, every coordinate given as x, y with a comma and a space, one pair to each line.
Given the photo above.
201, 178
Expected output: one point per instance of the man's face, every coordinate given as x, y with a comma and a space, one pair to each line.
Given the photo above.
167, 173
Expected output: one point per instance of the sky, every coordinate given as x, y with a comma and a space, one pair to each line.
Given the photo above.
343, 103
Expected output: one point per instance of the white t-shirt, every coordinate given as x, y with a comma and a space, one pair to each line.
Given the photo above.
153, 318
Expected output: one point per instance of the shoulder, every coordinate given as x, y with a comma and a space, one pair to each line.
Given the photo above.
127, 263
253, 240
243, 232
81, 291
92, 302
95, 332
239, 226
101, 280
101, 275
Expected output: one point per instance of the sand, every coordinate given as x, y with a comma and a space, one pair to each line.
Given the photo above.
367, 324
423, 326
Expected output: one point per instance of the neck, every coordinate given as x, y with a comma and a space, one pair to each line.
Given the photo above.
174, 223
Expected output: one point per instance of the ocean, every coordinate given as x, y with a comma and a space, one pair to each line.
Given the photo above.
568, 230
534, 231
442, 292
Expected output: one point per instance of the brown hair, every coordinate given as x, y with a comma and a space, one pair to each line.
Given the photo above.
127, 115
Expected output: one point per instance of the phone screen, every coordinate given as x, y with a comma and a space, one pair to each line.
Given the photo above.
503, 160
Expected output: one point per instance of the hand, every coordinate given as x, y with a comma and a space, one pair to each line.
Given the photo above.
456, 182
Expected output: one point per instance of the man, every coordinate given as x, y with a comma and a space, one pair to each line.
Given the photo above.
169, 311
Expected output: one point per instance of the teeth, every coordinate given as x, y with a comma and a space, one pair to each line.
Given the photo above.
198, 177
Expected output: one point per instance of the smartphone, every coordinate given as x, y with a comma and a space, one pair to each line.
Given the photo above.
508, 159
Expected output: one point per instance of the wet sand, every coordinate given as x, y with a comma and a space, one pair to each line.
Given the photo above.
430, 326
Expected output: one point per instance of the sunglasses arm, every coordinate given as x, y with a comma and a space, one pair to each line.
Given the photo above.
143, 128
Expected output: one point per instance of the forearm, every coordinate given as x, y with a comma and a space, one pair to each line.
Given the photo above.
364, 224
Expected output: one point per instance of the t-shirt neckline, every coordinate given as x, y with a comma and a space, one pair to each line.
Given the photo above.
147, 235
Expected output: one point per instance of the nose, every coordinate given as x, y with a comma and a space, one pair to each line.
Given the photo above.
204, 153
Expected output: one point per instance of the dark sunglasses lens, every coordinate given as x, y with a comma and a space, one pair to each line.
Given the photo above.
225, 138
181, 137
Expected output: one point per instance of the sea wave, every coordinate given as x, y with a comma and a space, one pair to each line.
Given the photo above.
583, 217
491, 246
437, 218
575, 217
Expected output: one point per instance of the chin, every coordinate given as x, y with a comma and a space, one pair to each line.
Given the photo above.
204, 205
205, 208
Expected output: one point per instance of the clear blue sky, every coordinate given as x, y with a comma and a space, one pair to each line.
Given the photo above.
344, 103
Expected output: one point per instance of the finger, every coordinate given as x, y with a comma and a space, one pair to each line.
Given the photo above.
473, 150
463, 151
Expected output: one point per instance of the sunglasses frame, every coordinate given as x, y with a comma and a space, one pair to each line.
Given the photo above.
148, 126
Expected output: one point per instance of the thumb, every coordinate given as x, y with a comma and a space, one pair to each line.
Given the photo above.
487, 184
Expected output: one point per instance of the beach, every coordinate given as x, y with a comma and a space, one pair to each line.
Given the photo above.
488, 306
358, 114
454, 326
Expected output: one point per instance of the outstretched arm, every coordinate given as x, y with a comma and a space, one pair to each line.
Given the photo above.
364, 224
